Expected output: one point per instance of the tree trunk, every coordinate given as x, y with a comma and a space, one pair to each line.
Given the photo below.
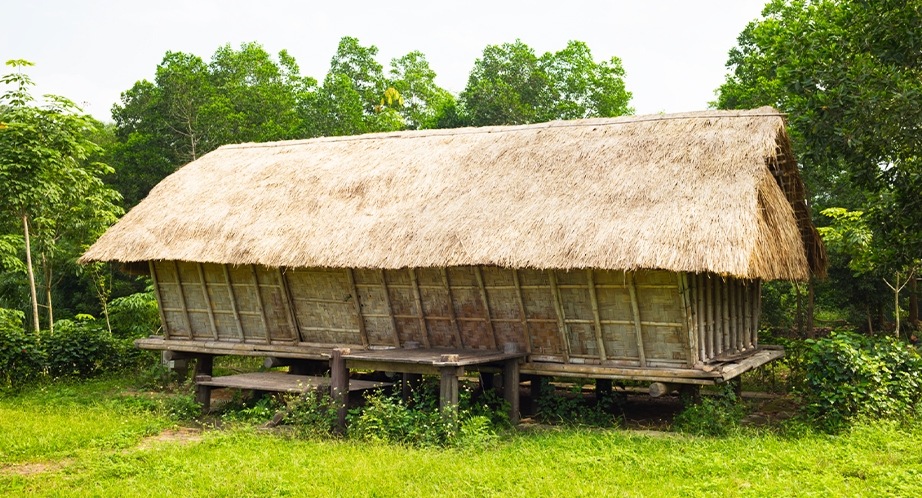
913, 303
810, 331
25, 229
46, 269
870, 327
799, 313
880, 318
896, 306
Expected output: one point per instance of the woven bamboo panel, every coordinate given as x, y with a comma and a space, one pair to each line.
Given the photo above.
221, 305
661, 305
539, 305
323, 305
378, 326
276, 307
615, 304
196, 304
436, 306
167, 285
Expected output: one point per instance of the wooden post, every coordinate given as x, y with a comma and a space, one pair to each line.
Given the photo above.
259, 302
486, 305
339, 386
289, 306
757, 303
211, 320
448, 391
511, 387
233, 301
718, 318
740, 321
561, 320
456, 327
702, 326
182, 301
358, 306
522, 315
153, 277
423, 330
204, 366
635, 309
731, 292
691, 348
595, 314
710, 316
747, 312
725, 311
390, 310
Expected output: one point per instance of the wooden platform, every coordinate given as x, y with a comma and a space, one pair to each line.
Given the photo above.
282, 382
426, 360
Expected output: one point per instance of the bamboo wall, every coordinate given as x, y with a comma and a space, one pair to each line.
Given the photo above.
643, 318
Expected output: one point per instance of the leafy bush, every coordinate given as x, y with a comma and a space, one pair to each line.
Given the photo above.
21, 356
714, 416
134, 316
181, 404
386, 418
574, 410
847, 375
80, 348
312, 413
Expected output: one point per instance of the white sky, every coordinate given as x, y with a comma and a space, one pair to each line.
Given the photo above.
90, 51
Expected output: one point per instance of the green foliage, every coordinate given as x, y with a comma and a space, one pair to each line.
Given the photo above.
312, 413
386, 418
181, 405
134, 316
22, 358
574, 410
848, 375
715, 416
80, 348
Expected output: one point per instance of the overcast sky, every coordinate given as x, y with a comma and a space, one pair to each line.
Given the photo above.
90, 51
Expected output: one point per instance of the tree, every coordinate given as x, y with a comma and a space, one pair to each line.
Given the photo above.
45, 179
414, 80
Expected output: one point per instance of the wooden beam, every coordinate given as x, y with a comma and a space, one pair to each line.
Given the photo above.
358, 306
233, 301
390, 311
423, 330
153, 277
522, 315
511, 381
451, 308
635, 309
486, 304
211, 320
182, 301
561, 319
448, 392
289, 307
259, 302
691, 349
339, 386
658, 389
595, 314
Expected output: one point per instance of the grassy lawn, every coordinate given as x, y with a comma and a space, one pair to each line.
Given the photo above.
93, 439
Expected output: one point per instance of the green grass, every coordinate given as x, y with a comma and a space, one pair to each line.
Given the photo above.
88, 438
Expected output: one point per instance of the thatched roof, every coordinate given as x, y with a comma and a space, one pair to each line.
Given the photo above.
710, 191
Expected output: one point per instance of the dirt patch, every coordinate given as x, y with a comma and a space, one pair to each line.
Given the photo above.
180, 435
28, 469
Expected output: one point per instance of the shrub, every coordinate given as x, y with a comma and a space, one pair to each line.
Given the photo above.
134, 316
847, 375
312, 413
21, 356
573, 410
80, 348
713, 416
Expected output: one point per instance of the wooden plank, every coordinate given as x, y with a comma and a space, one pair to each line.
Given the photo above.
289, 306
153, 277
607, 372
635, 309
211, 320
688, 329
732, 308
755, 314
486, 304
284, 382
423, 330
709, 304
700, 318
182, 301
233, 301
358, 306
754, 361
390, 310
456, 327
725, 314
595, 313
522, 315
718, 317
259, 302
561, 319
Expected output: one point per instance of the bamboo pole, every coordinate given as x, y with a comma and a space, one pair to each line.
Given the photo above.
153, 277
423, 330
635, 308
259, 302
561, 320
358, 306
720, 311
740, 322
524, 317
747, 312
486, 304
289, 306
712, 343
700, 318
390, 310
182, 301
211, 320
755, 314
731, 291
595, 314
233, 301
691, 349
451, 308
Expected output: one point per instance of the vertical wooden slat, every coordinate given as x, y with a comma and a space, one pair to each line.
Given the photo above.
731, 316
424, 331
561, 320
233, 301
486, 304
712, 343
740, 324
755, 314
635, 309
289, 307
153, 277
390, 310
595, 314
259, 302
725, 312
358, 306
211, 320
451, 308
702, 324
522, 315
182, 301
691, 347
747, 311
718, 316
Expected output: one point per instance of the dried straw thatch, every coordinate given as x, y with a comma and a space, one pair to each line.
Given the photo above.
713, 191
